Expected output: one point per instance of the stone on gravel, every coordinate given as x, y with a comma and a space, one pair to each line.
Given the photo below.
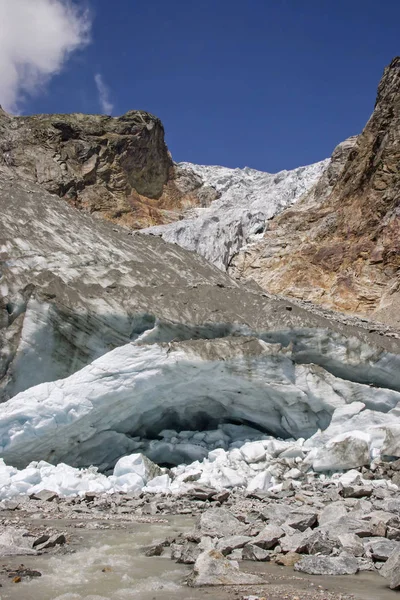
212, 568
189, 553
319, 542
391, 570
327, 565
288, 560
233, 542
55, 540
221, 496
253, 552
40, 540
356, 491
351, 543
220, 522
296, 542
332, 512
156, 550
268, 537
14, 542
381, 548
302, 519
44, 495
202, 493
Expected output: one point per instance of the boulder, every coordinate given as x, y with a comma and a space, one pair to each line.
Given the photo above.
189, 553
342, 452
302, 519
381, 548
327, 565
253, 552
220, 522
233, 542
391, 570
332, 512
268, 537
212, 568
351, 543
288, 560
296, 542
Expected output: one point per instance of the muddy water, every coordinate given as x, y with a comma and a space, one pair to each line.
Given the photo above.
109, 564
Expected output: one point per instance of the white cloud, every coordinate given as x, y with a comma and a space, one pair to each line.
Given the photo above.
36, 39
104, 95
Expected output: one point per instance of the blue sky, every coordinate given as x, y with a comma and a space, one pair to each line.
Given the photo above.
270, 84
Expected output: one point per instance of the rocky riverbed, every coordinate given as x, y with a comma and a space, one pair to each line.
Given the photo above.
328, 540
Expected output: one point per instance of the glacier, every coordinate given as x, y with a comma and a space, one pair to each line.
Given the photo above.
190, 402
248, 199
115, 345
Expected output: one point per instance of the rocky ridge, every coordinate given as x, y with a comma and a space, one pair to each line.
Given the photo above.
341, 249
114, 168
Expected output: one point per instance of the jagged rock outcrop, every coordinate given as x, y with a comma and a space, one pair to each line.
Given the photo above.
116, 168
341, 249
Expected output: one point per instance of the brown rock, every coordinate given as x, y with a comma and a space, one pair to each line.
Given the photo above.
117, 168
339, 245
288, 560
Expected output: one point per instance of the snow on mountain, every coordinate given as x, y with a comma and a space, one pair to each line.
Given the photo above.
248, 198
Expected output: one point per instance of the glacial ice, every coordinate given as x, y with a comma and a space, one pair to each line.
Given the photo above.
214, 408
248, 199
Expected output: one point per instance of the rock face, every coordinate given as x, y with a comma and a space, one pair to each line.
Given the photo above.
341, 248
116, 168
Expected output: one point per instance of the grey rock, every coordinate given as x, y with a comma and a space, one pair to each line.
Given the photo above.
220, 522
55, 540
189, 553
356, 491
332, 512
9, 505
319, 542
176, 551
201, 493
212, 568
393, 533
302, 519
268, 537
381, 548
253, 552
349, 525
155, 550
391, 570
44, 496
228, 544
351, 543
296, 543
275, 513
326, 565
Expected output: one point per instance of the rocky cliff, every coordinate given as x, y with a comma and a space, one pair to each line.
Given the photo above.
341, 248
116, 168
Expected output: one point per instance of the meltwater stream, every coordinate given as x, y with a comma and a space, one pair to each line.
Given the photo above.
110, 565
